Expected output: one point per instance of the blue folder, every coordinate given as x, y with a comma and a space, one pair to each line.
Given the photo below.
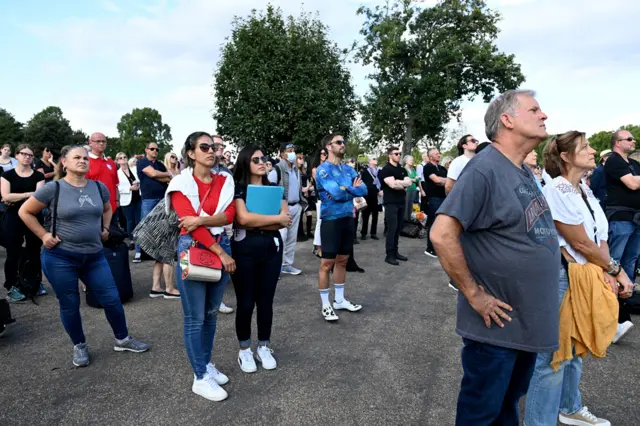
262, 199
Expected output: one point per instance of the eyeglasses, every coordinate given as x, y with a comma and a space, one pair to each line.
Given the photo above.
205, 147
629, 139
257, 160
152, 149
100, 141
218, 146
25, 154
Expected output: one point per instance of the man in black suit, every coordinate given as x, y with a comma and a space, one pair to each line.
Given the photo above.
370, 178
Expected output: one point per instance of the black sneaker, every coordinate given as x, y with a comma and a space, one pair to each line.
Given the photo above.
401, 257
374, 237
363, 237
391, 260
431, 253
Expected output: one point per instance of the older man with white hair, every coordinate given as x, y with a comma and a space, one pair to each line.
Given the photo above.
496, 239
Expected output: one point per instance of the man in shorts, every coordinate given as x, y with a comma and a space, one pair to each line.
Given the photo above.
338, 184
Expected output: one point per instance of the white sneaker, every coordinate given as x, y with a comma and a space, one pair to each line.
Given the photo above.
209, 389
216, 375
345, 304
265, 355
246, 361
329, 314
453, 287
137, 258
582, 418
224, 309
622, 330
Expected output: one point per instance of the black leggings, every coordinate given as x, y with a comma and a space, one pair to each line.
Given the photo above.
258, 261
15, 233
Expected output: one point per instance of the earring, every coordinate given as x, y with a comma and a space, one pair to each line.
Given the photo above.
64, 169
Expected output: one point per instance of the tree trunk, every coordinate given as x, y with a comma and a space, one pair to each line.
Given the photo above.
408, 137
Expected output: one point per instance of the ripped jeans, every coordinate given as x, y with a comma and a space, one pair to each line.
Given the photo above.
200, 303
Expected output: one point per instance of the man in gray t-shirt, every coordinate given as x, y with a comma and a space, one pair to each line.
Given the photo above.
79, 214
495, 237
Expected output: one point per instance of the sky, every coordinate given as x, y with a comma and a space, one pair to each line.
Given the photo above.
99, 59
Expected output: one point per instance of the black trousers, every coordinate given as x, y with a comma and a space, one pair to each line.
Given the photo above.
394, 215
258, 261
433, 204
370, 211
15, 233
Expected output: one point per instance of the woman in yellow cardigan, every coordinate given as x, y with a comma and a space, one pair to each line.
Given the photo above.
582, 232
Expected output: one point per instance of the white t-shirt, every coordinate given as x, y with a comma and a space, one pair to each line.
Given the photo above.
567, 206
456, 167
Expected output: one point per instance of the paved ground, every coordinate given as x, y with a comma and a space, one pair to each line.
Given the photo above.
394, 363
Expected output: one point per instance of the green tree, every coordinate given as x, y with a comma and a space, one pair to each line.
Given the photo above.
426, 61
79, 137
282, 80
48, 128
139, 127
10, 129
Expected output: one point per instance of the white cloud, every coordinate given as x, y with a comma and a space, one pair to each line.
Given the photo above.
110, 6
579, 55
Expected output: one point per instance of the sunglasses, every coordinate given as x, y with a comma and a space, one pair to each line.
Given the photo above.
339, 142
124, 157
474, 140
629, 139
395, 153
173, 157
257, 160
219, 146
289, 146
26, 154
152, 149
206, 147
323, 153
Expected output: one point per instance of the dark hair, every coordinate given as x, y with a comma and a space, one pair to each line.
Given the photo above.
462, 141
283, 146
149, 143
327, 139
316, 161
190, 145
391, 149
242, 169
566, 142
59, 169
482, 146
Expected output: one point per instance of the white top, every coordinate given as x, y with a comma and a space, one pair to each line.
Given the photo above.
456, 167
568, 207
124, 187
420, 171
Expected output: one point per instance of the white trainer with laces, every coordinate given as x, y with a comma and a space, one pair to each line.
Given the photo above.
345, 304
264, 354
622, 330
246, 361
209, 389
329, 314
582, 417
216, 375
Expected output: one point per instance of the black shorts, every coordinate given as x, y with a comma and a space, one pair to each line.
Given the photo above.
337, 237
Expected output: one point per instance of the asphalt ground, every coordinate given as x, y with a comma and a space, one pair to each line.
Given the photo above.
396, 362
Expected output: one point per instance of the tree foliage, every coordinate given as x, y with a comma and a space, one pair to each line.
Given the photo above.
48, 128
138, 128
78, 137
10, 129
281, 80
427, 60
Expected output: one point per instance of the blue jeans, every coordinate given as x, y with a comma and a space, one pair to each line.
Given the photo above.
146, 205
624, 245
133, 214
551, 392
494, 380
200, 303
63, 269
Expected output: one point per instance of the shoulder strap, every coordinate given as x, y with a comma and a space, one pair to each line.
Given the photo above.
278, 173
595, 228
54, 214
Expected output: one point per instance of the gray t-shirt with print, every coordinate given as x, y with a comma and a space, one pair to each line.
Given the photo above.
511, 246
79, 215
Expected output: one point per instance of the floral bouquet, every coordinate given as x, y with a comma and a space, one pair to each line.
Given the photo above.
420, 217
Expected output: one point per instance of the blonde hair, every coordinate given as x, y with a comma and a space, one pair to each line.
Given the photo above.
167, 162
132, 161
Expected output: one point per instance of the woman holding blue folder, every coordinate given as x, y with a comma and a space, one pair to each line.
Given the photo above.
257, 248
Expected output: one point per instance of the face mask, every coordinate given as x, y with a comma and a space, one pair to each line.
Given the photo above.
291, 157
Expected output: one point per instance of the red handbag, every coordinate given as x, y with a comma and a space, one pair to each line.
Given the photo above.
200, 264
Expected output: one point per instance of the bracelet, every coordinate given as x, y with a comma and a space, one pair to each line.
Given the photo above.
105, 229
617, 272
614, 267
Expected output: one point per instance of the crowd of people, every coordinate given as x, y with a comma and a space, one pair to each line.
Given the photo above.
537, 254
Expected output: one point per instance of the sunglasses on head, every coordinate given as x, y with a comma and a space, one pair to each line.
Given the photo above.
257, 160
629, 139
152, 149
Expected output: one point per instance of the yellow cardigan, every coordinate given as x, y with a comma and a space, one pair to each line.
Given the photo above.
588, 314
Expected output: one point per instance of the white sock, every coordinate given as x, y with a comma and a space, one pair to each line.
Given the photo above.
324, 296
339, 290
